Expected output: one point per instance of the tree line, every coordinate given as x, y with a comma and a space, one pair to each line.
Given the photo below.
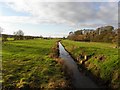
103, 34
18, 35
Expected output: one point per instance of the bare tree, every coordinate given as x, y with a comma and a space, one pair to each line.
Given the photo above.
18, 35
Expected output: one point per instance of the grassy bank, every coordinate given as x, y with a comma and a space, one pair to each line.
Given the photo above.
101, 59
27, 64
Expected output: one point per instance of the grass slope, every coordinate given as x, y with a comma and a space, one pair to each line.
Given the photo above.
102, 60
26, 63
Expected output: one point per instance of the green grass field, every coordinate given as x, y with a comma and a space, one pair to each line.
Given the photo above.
102, 59
10, 39
26, 63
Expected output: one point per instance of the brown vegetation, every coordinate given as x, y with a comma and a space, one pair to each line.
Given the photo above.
102, 34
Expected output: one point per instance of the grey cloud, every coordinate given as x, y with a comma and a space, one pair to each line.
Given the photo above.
71, 13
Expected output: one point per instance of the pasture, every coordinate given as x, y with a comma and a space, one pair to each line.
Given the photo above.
27, 64
102, 59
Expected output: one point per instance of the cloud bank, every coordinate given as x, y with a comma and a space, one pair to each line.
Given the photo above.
85, 14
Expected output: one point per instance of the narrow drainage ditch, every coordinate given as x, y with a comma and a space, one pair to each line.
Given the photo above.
79, 80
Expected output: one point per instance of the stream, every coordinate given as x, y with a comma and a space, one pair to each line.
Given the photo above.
79, 80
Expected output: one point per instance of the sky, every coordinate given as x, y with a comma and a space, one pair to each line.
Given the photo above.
56, 18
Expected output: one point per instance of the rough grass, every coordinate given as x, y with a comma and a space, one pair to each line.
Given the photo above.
102, 60
26, 64
10, 39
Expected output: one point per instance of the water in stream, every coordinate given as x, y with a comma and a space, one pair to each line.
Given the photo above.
79, 80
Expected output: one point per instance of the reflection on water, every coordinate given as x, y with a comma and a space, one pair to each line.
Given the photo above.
79, 80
